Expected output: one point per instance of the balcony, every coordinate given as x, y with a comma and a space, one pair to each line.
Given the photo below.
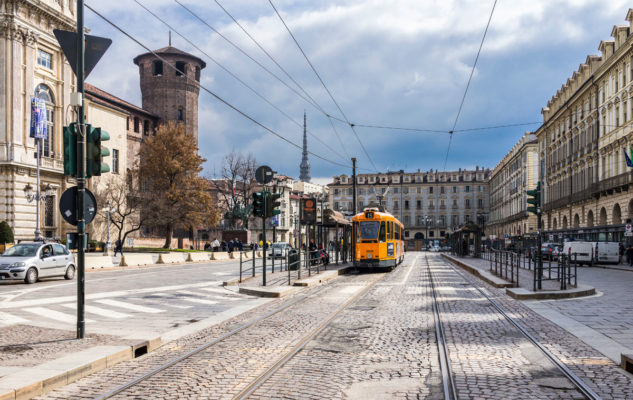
442, 207
617, 183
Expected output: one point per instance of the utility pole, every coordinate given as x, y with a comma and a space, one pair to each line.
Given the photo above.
264, 250
354, 210
81, 179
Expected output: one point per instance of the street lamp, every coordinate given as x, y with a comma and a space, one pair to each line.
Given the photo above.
37, 196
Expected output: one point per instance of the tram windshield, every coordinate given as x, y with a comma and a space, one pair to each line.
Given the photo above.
369, 230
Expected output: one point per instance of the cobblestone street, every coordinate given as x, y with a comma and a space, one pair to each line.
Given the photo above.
381, 345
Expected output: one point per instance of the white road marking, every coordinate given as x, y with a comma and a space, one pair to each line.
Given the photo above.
52, 314
129, 306
99, 311
225, 295
200, 301
8, 319
103, 295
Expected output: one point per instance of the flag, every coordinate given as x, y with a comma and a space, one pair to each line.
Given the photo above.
629, 163
39, 126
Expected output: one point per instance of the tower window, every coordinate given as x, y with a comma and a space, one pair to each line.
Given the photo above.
146, 127
157, 68
197, 74
180, 117
136, 125
180, 68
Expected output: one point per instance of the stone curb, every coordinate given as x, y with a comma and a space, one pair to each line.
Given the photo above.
520, 293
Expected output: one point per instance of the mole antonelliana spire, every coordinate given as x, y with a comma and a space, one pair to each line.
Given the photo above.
304, 175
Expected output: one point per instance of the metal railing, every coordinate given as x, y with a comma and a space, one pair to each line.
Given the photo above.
560, 267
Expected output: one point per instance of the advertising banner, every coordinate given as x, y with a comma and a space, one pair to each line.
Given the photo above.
39, 123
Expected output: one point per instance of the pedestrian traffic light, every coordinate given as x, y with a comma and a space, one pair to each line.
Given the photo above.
273, 204
70, 150
534, 199
94, 152
259, 208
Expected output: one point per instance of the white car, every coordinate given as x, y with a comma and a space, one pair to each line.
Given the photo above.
30, 261
279, 249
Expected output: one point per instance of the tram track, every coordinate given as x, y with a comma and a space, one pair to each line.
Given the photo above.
253, 323
447, 373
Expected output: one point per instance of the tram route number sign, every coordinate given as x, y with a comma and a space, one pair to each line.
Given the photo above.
308, 211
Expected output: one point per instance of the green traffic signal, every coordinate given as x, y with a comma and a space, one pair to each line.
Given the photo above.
70, 150
272, 205
259, 201
95, 153
534, 199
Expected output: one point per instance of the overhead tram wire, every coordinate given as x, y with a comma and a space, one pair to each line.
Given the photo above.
441, 131
238, 48
461, 105
324, 86
222, 100
239, 80
280, 67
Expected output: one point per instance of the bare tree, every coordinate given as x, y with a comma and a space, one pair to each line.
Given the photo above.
235, 186
125, 204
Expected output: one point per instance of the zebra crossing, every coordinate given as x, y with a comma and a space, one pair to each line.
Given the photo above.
101, 308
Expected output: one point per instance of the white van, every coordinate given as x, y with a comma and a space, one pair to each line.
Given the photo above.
583, 252
607, 252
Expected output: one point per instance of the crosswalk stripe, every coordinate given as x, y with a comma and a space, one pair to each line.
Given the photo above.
130, 306
52, 314
8, 319
99, 311
200, 301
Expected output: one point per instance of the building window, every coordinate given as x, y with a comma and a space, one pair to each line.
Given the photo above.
395, 190
115, 161
431, 233
454, 189
395, 204
431, 189
442, 189
180, 116
480, 203
157, 68
335, 192
350, 191
418, 204
47, 145
180, 68
49, 211
336, 206
137, 125
406, 220
197, 74
44, 59
467, 203
146, 127
406, 204
127, 123
467, 189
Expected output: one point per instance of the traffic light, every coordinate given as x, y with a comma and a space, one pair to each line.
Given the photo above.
70, 150
273, 204
534, 199
94, 151
259, 207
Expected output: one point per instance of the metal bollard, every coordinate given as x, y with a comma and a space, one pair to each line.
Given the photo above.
240, 268
288, 266
254, 261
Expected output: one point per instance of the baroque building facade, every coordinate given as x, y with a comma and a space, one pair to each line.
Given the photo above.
586, 131
429, 204
516, 173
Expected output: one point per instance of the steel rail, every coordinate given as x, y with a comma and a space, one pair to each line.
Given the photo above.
448, 382
203, 347
263, 377
582, 387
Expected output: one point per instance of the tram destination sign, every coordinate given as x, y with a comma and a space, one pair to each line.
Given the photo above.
308, 211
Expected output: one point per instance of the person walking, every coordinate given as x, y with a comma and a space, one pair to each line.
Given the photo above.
215, 245
620, 252
230, 245
629, 255
118, 247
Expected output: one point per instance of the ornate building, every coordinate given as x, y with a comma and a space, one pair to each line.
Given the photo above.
586, 130
429, 204
516, 173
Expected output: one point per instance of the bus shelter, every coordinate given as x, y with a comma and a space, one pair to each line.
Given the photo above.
336, 234
466, 240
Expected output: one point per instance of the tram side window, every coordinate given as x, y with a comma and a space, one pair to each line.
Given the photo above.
382, 235
389, 230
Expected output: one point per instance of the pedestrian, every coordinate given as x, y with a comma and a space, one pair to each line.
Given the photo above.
215, 245
207, 246
620, 252
118, 247
224, 245
629, 255
230, 246
240, 245
312, 249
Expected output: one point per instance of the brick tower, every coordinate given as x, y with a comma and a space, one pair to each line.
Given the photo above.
171, 94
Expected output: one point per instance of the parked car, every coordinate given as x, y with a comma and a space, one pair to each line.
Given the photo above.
549, 251
279, 249
30, 261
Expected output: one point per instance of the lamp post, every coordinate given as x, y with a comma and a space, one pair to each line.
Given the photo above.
401, 203
37, 196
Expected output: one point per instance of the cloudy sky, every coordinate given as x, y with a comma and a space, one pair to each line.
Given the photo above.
398, 63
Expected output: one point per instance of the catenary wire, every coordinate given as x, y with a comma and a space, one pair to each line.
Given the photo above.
222, 100
279, 66
324, 86
250, 57
239, 80
461, 105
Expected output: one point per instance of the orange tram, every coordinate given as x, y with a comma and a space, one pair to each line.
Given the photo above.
379, 240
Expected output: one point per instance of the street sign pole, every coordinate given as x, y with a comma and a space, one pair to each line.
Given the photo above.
81, 180
264, 249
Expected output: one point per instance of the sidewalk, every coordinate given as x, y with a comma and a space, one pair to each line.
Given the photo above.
603, 321
550, 289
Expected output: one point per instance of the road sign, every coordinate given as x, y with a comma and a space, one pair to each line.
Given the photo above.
628, 227
308, 211
264, 174
628, 234
560, 235
551, 237
68, 206
95, 48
